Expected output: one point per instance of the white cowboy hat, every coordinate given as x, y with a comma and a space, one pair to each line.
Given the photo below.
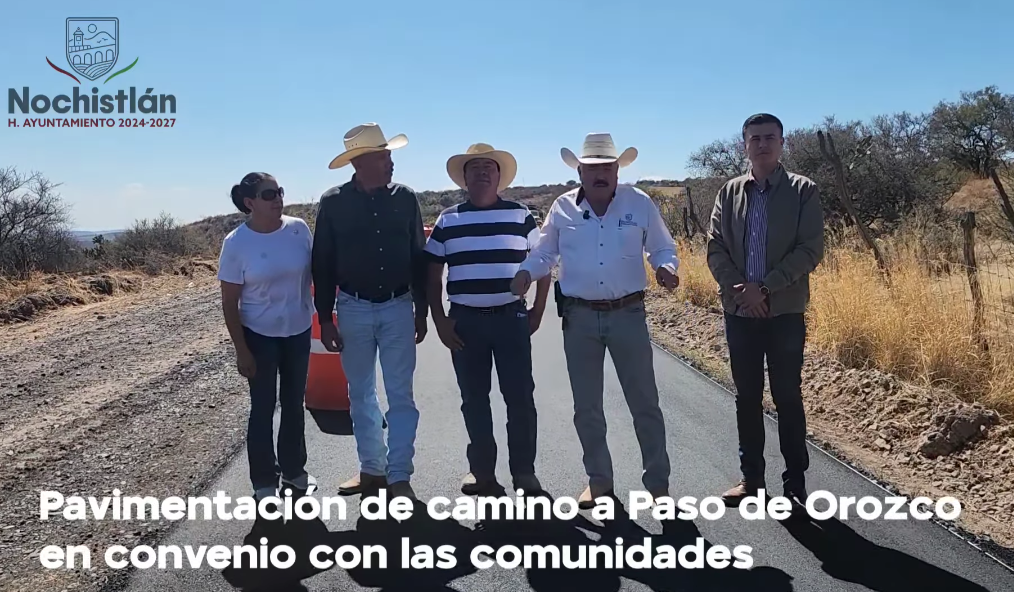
365, 138
506, 161
598, 149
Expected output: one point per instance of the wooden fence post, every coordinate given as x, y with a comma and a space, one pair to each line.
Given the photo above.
972, 270
695, 224
832, 157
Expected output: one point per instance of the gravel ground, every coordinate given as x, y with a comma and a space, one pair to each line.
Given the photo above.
137, 393
913, 440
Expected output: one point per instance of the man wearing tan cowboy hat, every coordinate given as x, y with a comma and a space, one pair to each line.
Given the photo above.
368, 244
486, 320
598, 234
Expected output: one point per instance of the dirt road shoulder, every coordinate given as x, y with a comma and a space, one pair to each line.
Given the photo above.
135, 393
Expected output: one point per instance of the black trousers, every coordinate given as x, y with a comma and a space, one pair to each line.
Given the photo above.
501, 336
282, 363
780, 340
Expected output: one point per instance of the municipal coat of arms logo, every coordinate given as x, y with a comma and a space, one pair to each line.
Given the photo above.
93, 45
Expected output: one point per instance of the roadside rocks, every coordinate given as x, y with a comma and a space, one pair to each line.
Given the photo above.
955, 428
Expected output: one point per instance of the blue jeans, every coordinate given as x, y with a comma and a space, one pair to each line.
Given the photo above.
387, 328
282, 363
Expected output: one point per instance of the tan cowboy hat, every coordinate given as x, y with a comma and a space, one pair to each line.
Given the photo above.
598, 148
365, 138
508, 165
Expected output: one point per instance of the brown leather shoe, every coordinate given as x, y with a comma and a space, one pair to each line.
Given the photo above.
733, 497
586, 501
363, 483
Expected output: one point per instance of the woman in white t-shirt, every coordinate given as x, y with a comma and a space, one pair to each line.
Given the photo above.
264, 268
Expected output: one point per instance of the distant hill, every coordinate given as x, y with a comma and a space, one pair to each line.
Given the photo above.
85, 237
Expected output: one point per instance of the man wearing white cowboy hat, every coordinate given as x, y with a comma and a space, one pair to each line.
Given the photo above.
598, 234
368, 244
486, 320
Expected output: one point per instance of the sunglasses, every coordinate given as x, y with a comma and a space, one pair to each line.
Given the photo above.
272, 194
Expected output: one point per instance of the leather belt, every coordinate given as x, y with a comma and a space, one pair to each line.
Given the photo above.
374, 298
602, 305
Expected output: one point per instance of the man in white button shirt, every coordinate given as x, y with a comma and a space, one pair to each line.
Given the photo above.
598, 234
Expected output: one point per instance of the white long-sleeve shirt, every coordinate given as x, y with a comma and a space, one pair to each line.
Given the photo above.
602, 258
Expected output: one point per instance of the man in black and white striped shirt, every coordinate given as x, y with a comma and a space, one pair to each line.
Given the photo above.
482, 242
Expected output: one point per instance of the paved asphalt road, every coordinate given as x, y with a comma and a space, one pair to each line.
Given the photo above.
886, 556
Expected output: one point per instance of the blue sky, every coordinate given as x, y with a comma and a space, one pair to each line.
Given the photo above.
276, 90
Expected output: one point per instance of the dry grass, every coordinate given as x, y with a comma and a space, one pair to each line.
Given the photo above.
696, 282
11, 290
918, 327
23, 300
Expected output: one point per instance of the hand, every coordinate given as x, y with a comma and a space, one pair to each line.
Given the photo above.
331, 337
447, 334
748, 295
757, 311
534, 320
420, 329
245, 363
750, 298
521, 283
667, 279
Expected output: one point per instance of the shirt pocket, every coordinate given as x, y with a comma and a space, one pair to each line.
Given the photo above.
630, 241
573, 236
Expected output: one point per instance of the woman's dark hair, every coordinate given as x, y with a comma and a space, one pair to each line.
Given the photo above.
247, 188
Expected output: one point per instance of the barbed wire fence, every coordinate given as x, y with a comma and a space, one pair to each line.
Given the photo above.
984, 288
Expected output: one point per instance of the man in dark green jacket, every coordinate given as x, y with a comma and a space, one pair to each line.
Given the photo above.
766, 237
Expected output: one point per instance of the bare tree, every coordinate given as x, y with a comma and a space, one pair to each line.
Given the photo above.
721, 158
976, 134
33, 225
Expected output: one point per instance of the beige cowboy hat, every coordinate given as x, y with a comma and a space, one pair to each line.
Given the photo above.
363, 139
507, 162
598, 148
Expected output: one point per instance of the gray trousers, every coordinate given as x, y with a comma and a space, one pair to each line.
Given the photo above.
587, 334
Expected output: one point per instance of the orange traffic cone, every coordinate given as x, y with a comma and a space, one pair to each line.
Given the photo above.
327, 388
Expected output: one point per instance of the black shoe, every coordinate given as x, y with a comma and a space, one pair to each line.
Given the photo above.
798, 498
484, 486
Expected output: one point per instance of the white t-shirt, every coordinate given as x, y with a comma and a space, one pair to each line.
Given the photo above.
274, 269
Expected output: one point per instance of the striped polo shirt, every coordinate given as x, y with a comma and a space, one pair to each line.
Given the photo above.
483, 249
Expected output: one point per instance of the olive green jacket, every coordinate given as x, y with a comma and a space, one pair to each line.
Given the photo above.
795, 240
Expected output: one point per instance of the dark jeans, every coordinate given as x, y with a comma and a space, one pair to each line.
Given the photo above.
503, 336
781, 340
282, 364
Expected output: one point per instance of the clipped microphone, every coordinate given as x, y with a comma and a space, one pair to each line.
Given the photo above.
587, 214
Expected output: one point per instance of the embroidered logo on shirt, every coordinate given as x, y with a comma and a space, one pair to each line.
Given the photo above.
627, 221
